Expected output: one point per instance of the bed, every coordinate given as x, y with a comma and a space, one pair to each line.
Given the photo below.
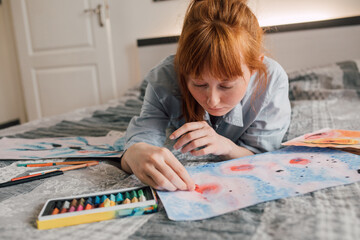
323, 95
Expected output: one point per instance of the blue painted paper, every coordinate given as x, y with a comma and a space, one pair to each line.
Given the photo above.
230, 185
111, 145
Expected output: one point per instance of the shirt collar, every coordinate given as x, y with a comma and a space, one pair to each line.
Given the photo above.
234, 117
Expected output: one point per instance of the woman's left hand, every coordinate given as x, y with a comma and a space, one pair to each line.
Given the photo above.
195, 135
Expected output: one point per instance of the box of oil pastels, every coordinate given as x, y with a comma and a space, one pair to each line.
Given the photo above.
61, 212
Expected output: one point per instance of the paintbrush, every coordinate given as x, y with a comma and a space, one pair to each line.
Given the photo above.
63, 169
52, 163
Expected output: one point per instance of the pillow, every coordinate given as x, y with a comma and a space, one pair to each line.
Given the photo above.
326, 82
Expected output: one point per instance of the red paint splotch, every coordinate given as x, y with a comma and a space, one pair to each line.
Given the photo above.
301, 161
243, 167
207, 188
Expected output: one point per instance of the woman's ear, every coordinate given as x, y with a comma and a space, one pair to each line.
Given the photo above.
262, 58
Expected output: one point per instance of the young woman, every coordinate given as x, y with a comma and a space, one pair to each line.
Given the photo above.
219, 91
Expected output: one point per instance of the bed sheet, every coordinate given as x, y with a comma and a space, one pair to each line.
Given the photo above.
321, 97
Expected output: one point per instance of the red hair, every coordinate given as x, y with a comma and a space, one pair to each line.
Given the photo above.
217, 35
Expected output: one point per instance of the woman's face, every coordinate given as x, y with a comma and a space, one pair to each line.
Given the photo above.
219, 97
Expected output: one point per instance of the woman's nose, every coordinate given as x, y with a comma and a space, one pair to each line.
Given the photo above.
213, 98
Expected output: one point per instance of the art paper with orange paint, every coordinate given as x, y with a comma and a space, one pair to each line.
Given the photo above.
335, 138
110, 145
227, 186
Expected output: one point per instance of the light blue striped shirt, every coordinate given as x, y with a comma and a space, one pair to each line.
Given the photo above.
258, 125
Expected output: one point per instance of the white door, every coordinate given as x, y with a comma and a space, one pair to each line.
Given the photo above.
65, 57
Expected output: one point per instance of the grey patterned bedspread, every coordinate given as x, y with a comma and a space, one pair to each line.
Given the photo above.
326, 96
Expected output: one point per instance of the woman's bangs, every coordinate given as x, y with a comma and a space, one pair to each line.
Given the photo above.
218, 58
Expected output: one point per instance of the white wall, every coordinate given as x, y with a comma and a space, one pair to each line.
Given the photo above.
134, 19
276, 12
11, 100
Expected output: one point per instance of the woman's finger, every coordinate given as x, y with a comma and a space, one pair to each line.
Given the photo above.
180, 170
190, 136
197, 143
171, 175
160, 180
203, 151
149, 181
187, 127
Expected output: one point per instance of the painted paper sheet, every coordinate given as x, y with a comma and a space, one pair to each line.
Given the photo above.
234, 184
334, 138
65, 147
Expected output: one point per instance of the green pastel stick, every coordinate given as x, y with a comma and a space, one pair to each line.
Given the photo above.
142, 197
127, 198
133, 194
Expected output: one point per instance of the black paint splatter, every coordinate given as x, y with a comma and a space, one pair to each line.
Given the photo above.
76, 148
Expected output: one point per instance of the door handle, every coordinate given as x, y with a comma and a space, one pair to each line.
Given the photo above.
97, 11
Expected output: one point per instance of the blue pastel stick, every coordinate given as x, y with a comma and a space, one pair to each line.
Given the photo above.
88, 201
89, 204
97, 200
103, 198
119, 198
112, 197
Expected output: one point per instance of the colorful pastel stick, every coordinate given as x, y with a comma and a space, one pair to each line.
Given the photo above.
127, 198
103, 199
112, 200
80, 206
57, 208
65, 207
97, 201
89, 204
119, 198
89, 200
55, 211
142, 198
73, 205
134, 196
106, 202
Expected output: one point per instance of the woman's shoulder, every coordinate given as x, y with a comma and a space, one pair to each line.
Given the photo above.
277, 78
162, 72
274, 69
163, 76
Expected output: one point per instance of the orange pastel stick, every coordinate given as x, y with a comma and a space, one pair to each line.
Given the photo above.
55, 211
88, 206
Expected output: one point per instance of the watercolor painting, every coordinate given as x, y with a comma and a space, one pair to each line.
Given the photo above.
227, 186
334, 138
110, 145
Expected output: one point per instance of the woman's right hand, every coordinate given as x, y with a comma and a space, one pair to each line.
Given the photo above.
156, 167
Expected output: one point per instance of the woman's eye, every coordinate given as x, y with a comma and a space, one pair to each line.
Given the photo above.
200, 85
226, 87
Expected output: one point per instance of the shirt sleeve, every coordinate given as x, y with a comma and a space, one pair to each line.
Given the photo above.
150, 126
273, 119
